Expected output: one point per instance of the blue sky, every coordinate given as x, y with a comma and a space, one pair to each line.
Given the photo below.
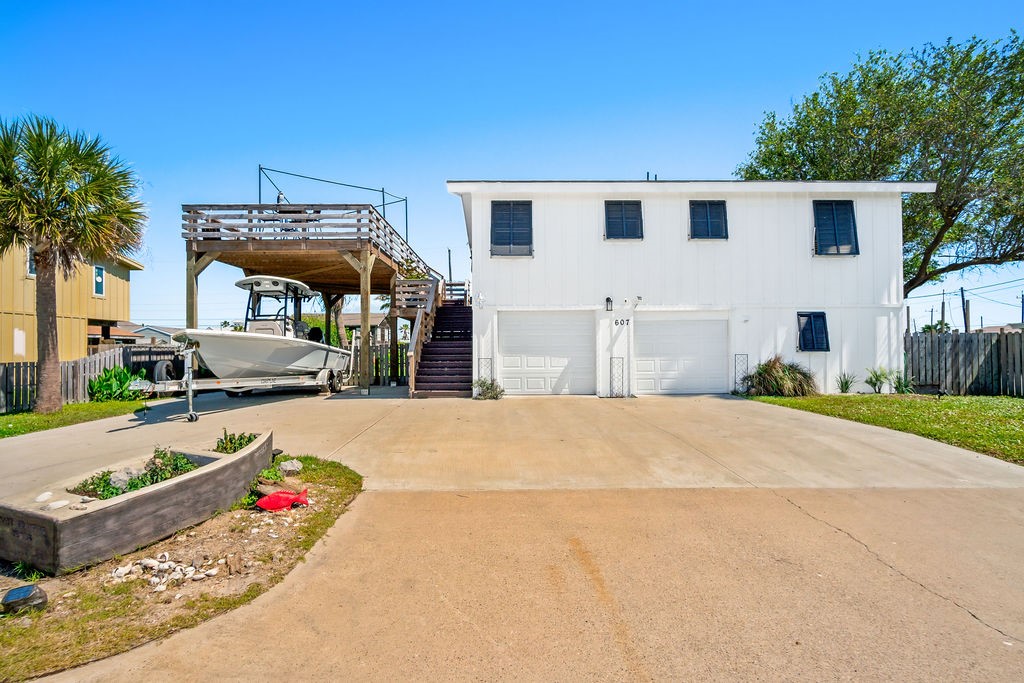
406, 96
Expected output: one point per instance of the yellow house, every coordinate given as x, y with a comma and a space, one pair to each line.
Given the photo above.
89, 304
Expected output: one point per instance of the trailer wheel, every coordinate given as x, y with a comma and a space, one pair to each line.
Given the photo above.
192, 417
163, 371
335, 382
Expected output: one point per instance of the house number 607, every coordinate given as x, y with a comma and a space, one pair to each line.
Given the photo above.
621, 321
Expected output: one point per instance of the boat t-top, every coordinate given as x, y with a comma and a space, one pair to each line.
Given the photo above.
275, 341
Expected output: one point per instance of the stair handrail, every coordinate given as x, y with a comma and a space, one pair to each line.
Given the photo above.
422, 330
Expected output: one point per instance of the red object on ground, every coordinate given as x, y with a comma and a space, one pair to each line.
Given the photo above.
282, 500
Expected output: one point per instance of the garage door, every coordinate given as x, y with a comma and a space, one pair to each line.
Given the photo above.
547, 353
681, 356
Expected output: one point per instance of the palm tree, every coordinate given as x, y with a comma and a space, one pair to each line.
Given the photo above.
70, 200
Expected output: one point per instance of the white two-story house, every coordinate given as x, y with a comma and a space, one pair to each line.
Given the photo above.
666, 287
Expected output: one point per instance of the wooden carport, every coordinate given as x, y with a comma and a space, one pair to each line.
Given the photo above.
336, 249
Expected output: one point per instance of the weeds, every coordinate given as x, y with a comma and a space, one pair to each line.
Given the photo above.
162, 466
488, 389
232, 443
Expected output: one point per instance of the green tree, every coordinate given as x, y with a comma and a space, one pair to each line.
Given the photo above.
950, 113
939, 327
69, 199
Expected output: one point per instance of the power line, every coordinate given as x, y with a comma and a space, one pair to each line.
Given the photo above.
973, 289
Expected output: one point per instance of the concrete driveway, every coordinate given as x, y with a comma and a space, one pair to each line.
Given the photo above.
580, 538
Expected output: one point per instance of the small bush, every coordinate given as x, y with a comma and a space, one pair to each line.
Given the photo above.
112, 385
775, 377
232, 443
877, 378
488, 389
901, 384
161, 467
845, 382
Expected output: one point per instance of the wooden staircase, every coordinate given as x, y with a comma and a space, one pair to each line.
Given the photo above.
445, 366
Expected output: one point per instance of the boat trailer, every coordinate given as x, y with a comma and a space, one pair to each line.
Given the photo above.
325, 379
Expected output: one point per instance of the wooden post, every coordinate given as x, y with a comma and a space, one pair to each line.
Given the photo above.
195, 264
366, 260
393, 329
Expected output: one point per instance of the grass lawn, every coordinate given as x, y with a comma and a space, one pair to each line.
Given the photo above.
987, 424
22, 423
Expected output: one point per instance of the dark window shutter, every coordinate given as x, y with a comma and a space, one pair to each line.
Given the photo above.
511, 228
623, 220
835, 228
813, 331
708, 220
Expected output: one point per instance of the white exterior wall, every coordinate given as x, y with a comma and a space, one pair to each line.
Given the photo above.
757, 279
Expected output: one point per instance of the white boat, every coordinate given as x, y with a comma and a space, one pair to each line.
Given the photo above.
274, 343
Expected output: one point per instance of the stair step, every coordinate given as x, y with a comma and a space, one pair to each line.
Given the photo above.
432, 393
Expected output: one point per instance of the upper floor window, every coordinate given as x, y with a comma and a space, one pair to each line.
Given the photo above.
623, 220
99, 280
512, 228
30, 262
708, 220
813, 331
835, 229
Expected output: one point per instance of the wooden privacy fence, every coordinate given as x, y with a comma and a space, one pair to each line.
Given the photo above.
380, 363
989, 363
18, 380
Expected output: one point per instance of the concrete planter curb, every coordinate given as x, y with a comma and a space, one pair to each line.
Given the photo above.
64, 539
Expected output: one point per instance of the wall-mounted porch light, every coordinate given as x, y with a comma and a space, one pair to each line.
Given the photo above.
607, 303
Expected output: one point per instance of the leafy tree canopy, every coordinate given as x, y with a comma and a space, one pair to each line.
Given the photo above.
950, 113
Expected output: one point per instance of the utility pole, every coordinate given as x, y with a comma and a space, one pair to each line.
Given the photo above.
931, 320
942, 316
966, 310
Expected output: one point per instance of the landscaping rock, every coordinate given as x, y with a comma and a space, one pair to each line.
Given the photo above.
290, 468
86, 499
55, 505
234, 563
43, 497
119, 479
292, 484
23, 597
76, 506
149, 563
267, 489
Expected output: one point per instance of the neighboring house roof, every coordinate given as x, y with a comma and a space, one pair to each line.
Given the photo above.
354, 319
621, 188
130, 264
143, 329
115, 332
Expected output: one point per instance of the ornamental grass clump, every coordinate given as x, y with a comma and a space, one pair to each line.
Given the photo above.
775, 377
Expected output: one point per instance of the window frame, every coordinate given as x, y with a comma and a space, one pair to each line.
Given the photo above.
708, 203
99, 277
811, 316
512, 248
622, 203
855, 246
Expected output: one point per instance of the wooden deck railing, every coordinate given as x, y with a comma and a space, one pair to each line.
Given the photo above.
457, 292
266, 222
422, 329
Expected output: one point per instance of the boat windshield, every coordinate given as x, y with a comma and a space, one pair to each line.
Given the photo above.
276, 311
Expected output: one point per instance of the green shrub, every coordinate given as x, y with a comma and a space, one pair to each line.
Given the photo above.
845, 382
877, 378
775, 377
112, 385
162, 466
232, 443
901, 384
488, 389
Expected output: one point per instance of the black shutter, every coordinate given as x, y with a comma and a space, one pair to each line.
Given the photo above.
813, 331
623, 220
501, 227
699, 223
835, 228
511, 228
708, 220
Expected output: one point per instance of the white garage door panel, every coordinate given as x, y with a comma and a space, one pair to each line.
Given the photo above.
681, 356
547, 353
